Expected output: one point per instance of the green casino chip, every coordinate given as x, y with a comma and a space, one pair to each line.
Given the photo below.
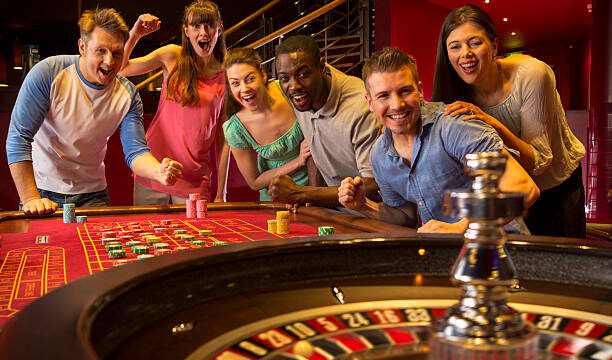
140, 249
116, 254
218, 243
326, 230
111, 247
198, 242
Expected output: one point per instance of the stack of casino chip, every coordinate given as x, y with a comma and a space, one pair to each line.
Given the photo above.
202, 208
81, 219
282, 222
191, 206
326, 230
69, 213
272, 226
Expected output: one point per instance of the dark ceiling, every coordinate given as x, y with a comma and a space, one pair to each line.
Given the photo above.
52, 24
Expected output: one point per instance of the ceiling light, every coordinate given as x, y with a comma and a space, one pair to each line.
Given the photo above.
18, 67
505, 19
486, 1
3, 85
513, 33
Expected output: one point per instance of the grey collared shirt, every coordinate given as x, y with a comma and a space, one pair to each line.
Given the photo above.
341, 133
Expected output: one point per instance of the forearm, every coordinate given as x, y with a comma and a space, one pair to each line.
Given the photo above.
526, 152
127, 51
263, 180
23, 177
314, 175
383, 212
222, 167
147, 166
516, 179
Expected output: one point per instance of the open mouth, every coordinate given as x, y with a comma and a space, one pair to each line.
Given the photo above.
299, 100
105, 72
248, 98
204, 45
468, 67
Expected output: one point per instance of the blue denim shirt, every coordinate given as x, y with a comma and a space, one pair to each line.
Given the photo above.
437, 162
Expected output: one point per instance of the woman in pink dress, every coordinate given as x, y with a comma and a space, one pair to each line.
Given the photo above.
190, 113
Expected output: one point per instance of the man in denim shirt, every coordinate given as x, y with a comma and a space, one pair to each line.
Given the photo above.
421, 153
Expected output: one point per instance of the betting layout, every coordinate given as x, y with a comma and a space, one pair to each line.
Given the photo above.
55, 251
369, 328
109, 244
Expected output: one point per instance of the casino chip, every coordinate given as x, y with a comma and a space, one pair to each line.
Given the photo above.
161, 245
116, 254
326, 230
111, 247
140, 249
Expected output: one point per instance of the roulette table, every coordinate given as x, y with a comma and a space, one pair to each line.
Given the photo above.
280, 299
40, 254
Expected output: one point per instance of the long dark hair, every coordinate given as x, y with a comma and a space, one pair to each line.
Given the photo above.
235, 56
186, 69
448, 86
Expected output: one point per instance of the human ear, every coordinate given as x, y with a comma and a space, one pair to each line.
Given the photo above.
82, 46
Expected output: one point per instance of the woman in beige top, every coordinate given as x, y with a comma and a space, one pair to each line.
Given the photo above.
517, 96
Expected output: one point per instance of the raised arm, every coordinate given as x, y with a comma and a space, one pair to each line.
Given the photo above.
164, 57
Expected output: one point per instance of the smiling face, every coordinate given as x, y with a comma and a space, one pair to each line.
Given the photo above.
395, 98
247, 85
302, 80
471, 52
203, 37
101, 56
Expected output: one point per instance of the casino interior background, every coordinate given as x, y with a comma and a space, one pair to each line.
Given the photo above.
572, 36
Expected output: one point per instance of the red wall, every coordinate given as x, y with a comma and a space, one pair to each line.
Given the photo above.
414, 28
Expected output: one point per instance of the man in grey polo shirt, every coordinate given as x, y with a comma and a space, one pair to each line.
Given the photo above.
335, 118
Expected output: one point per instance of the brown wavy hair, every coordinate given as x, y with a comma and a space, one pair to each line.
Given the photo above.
186, 70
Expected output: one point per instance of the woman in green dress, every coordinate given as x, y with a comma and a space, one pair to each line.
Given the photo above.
261, 118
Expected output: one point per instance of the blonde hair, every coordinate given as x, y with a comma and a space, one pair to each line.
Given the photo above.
107, 19
186, 70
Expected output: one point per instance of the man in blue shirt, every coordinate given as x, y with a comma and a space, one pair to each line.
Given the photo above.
67, 108
421, 153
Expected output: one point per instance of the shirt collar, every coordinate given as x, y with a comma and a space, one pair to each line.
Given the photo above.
333, 99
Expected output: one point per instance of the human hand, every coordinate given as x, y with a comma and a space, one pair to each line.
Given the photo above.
170, 171
471, 112
284, 190
435, 226
38, 206
145, 25
351, 193
304, 153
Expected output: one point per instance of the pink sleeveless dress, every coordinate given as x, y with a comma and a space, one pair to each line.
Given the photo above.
187, 134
